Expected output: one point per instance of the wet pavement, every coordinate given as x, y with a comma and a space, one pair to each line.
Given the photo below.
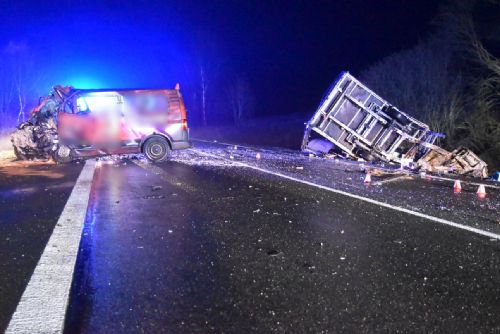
422, 194
32, 196
203, 244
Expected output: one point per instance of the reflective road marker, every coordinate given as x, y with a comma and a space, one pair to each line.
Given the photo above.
43, 305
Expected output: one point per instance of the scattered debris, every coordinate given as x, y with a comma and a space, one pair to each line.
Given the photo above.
154, 197
495, 177
274, 252
353, 122
460, 161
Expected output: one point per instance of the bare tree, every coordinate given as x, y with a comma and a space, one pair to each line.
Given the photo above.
18, 81
240, 99
451, 80
206, 62
422, 81
204, 84
481, 128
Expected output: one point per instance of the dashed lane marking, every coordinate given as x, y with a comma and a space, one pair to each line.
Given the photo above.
361, 198
43, 304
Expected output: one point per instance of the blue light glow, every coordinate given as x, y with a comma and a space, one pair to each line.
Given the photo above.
83, 82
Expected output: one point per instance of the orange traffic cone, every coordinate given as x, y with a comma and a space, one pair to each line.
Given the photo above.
368, 178
257, 156
481, 191
457, 187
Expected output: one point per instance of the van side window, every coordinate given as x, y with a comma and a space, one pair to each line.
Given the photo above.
82, 106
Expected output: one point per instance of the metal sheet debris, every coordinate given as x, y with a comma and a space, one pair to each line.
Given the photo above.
359, 124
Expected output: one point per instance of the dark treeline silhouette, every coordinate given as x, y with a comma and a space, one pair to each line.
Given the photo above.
451, 80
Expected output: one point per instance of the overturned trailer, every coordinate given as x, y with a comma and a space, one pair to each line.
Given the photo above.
357, 123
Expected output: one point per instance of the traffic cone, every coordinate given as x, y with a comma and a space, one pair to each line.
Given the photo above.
457, 187
481, 191
257, 156
368, 178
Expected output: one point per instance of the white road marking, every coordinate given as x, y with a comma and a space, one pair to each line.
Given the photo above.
378, 182
364, 199
226, 144
43, 304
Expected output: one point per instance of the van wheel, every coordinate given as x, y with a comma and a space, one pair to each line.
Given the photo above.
156, 149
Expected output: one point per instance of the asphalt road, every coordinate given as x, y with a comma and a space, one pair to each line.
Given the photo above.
205, 243
32, 197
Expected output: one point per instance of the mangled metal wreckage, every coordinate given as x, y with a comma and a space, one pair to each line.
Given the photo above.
354, 122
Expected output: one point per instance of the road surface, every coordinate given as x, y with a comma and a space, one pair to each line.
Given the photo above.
217, 240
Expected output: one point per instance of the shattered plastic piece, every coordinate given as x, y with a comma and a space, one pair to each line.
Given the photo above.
495, 177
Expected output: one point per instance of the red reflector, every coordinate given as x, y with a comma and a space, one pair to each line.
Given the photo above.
184, 124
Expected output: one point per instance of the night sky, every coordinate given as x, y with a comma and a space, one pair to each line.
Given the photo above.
290, 51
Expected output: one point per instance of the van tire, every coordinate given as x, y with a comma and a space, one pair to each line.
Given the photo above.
156, 149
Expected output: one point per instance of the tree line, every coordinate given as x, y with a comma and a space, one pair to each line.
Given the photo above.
451, 80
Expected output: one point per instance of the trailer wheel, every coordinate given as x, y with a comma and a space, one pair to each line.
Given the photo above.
397, 115
156, 149
367, 156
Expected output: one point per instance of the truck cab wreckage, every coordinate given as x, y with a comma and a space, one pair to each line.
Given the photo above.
354, 122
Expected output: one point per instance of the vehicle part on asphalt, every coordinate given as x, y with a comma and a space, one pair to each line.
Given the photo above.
360, 124
495, 177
